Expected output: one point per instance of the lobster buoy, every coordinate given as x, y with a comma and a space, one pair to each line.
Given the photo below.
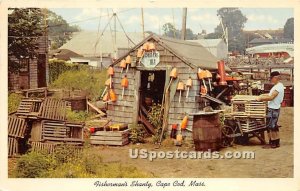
112, 95
180, 87
105, 97
146, 46
139, 53
128, 61
124, 84
173, 73
151, 46
184, 122
189, 83
123, 64
110, 71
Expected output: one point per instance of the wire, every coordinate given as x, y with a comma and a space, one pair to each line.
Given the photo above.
124, 31
88, 19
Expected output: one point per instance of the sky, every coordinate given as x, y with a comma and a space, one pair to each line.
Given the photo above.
197, 19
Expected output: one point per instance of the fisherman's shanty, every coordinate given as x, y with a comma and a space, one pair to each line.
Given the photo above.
149, 77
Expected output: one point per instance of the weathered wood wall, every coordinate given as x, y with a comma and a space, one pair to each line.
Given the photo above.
13, 78
124, 111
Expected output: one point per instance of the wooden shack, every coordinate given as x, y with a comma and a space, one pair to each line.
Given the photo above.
149, 77
33, 73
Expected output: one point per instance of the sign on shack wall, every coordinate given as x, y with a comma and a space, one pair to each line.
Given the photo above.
150, 59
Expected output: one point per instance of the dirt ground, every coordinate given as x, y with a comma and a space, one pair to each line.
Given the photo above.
268, 163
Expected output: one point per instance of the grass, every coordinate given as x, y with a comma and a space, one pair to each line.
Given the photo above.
13, 102
65, 164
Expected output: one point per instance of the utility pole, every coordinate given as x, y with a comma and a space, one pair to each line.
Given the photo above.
115, 30
183, 28
143, 26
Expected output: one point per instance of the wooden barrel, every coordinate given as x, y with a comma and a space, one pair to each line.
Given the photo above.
207, 132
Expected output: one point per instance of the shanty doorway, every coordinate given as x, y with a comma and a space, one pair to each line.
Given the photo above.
151, 92
152, 87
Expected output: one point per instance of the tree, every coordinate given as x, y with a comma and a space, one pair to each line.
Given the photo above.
288, 30
25, 26
59, 30
234, 20
170, 31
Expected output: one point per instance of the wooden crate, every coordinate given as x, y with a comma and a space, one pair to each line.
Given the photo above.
51, 147
60, 131
247, 106
118, 138
53, 109
13, 146
16, 127
29, 108
249, 125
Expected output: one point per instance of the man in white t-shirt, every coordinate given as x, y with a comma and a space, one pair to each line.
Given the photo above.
274, 99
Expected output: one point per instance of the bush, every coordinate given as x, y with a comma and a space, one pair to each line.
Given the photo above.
77, 116
90, 81
34, 164
137, 133
57, 67
14, 102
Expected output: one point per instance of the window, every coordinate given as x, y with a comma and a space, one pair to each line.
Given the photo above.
24, 65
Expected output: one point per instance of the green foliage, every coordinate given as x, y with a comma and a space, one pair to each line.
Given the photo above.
77, 116
156, 119
34, 164
13, 102
137, 133
57, 67
170, 31
59, 29
25, 26
88, 80
65, 163
288, 30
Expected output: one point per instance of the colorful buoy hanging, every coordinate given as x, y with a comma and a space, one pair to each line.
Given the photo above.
110, 72
180, 87
128, 61
112, 95
209, 76
123, 65
124, 84
189, 83
201, 76
107, 84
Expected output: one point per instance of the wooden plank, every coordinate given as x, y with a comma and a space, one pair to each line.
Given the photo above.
116, 143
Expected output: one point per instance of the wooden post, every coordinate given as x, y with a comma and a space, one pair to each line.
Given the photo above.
136, 92
183, 29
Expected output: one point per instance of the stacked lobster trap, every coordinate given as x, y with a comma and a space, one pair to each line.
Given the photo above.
41, 123
250, 115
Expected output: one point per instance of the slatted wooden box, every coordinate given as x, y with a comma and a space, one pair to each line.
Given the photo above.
50, 147
13, 146
117, 138
29, 108
16, 127
247, 106
249, 125
57, 132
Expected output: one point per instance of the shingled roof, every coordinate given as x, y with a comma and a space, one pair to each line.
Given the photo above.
192, 53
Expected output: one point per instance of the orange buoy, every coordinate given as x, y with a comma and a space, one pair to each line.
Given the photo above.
112, 95
184, 122
139, 52
107, 84
146, 46
128, 61
123, 64
173, 73
105, 97
180, 87
202, 76
151, 46
189, 83
124, 84
110, 71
